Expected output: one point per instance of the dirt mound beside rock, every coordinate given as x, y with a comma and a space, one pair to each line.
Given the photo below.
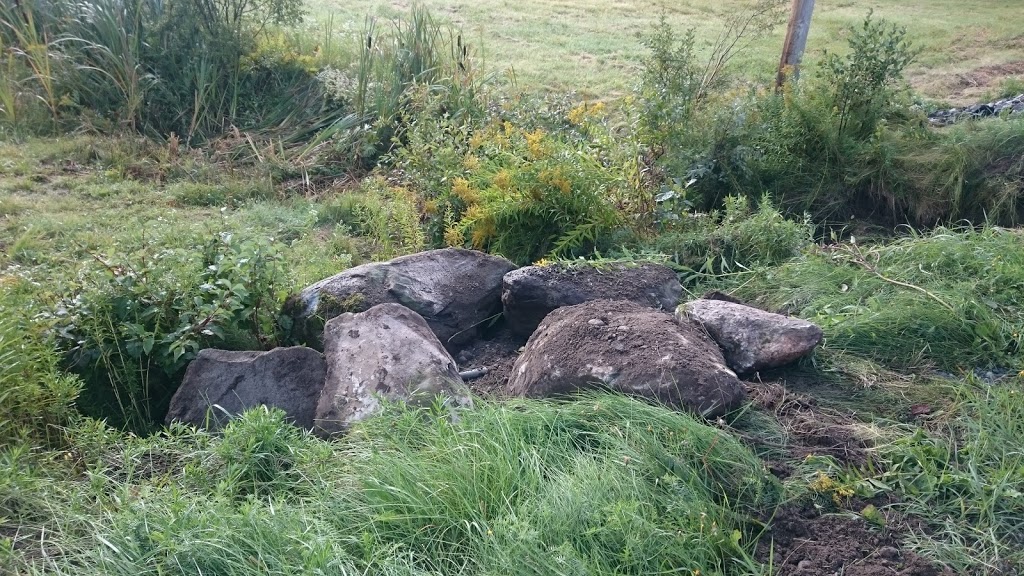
629, 348
529, 294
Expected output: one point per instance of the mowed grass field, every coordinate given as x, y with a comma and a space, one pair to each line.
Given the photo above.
969, 48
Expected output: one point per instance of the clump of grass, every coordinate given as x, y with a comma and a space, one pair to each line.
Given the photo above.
218, 194
734, 239
603, 484
948, 298
966, 478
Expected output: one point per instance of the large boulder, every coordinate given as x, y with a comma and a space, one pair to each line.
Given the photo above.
220, 384
386, 352
630, 348
529, 294
752, 339
454, 290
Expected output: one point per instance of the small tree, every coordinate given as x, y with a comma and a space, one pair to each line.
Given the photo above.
861, 84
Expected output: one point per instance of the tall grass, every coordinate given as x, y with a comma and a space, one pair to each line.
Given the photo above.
601, 485
948, 298
966, 479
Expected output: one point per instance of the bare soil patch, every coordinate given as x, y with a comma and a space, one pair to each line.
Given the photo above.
496, 351
804, 543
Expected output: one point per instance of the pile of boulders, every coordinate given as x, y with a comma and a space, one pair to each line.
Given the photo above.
389, 331
1013, 105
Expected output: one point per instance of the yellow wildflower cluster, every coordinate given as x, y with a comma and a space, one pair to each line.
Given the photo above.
584, 111
471, 162
482, 224
503, 180
463, 191
453, 236
556, 179
535, 143
824, 484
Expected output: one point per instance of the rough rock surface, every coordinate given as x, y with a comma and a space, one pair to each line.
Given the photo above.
529, 294
630, 348
285, 378
752, 339
1013, 105
454, 290
388, 351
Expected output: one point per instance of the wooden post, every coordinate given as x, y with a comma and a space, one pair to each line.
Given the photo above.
796, 40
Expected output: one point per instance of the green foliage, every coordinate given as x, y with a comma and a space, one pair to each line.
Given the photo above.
737, 239
526, 195
135, 324
966, 481
606, 484
415, 61
218, 195
950, 298
860, 86
36, 398
259, 454
385, 216
669, 89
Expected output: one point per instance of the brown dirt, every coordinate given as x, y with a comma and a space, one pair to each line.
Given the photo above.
497, 352
965, 88
804, 543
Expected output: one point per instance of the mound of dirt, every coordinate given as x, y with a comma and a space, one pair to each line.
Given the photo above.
629, 348
804, 543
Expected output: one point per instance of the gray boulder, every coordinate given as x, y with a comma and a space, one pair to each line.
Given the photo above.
386, 352
630, 348
529, 294
453, 289
220, 384
752, 339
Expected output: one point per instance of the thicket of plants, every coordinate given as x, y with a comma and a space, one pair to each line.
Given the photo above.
741, 188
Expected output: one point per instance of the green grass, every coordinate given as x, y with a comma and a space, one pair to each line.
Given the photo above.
949, 299
592, 48
598, 486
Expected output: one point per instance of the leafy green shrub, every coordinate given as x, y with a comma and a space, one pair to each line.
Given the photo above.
526, 195
134, 325
860, 86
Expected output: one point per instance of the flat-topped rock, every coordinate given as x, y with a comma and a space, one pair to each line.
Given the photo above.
752, 339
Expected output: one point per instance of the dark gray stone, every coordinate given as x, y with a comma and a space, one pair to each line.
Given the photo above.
529, 294
752, 339
220, 381
386, 352
634, 350
456, 291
